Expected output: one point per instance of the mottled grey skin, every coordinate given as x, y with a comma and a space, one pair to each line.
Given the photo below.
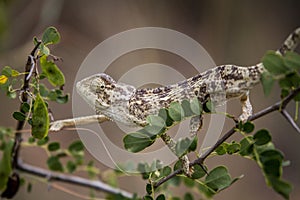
128, 105
217, 84
107, 97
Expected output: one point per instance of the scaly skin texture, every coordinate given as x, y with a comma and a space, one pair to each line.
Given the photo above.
128, 105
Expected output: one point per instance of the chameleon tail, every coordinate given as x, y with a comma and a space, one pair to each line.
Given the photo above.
290, 43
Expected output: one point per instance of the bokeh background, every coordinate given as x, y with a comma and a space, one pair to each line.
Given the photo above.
232, 31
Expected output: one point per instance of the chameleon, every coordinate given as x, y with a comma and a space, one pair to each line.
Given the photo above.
126, 104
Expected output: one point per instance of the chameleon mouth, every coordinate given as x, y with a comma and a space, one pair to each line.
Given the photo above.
83, 89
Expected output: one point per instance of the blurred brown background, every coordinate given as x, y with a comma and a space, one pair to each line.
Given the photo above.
232, 31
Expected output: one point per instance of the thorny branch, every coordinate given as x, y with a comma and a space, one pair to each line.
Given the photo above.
279, 106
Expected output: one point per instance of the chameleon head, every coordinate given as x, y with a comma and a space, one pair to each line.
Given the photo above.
101, 91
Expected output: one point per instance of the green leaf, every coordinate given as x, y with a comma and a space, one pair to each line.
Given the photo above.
292, 60
176, 112
76, 146
206, 190
14, 73
44, 92
188, 196
43, 141
52, 72
248, 127
182, 146
273, 62
54, 164
285, 83
281, 187
147, 197
222, 149
161, 197
143, 167
44, 49
163, 113
290, 81
19, 116
188, 182
40, 118
166, 171
209, 107
272, 168
71, 166
156, 125
267, 83
246, 146
218, 178
149, 188
51, 36
196, 107
5, 164
233, 148
25, 107
193, 145
284, 93
262, 137
53, 146
270, 154
135, 142
261, 148
31, 140
186, 108
62, 99
198, 172
11, 95
7, 71
177, 165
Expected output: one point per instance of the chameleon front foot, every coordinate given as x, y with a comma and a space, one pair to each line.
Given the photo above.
56, 126
60, 124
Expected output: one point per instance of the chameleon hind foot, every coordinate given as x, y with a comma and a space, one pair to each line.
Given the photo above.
187, 170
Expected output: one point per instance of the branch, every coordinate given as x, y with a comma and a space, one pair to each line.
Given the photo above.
280, 106
18, 137
290, 120
52, 176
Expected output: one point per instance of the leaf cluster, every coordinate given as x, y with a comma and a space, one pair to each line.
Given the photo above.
35, 110
284, 69
161, 123
260, 149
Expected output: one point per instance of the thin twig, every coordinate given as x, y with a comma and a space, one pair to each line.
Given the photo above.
75, 180
277, 106
290, 120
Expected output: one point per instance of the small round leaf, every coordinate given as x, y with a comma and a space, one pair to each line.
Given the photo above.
262, 137
54, 146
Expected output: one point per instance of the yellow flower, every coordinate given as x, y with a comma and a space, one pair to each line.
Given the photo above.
3, 79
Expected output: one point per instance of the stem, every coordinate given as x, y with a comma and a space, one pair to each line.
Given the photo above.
24, 97
75, 180
281, 105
